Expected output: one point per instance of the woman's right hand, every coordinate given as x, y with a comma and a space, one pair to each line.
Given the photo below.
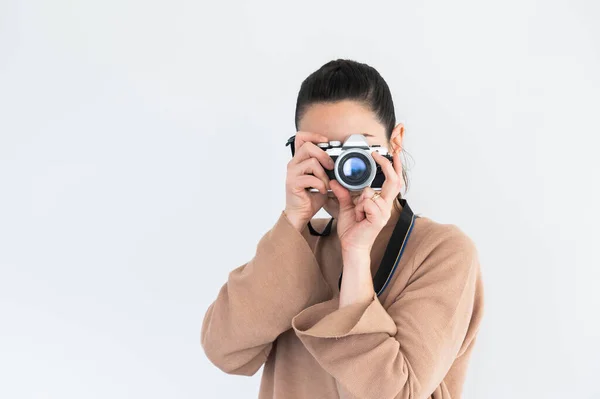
306, 169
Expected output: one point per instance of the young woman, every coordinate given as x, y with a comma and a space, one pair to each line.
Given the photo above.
312, 308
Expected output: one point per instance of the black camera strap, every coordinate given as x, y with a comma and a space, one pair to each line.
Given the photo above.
394, 249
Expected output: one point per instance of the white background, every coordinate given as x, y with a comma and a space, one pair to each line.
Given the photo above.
142, 157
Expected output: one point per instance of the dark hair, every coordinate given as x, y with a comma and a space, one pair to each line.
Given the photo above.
345, 79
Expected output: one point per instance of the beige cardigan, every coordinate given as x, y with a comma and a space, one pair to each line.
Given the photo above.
414, 341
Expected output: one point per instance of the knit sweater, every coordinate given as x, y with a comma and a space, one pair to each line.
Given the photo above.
413, 341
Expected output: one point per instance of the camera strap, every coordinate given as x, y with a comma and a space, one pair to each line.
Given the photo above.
394, 249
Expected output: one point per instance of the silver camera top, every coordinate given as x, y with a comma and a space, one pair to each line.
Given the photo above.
335, 147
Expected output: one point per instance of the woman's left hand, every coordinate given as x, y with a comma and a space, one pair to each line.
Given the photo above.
360, 220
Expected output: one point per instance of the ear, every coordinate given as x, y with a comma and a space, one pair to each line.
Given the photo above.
397, 137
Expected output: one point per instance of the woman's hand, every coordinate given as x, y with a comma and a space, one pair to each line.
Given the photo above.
360, 220
305, 170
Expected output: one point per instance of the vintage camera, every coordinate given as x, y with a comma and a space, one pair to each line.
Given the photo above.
354, 167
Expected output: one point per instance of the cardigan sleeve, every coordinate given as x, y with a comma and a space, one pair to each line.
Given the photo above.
403, 351
260, 298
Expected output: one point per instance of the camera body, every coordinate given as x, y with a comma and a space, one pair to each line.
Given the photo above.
354, 166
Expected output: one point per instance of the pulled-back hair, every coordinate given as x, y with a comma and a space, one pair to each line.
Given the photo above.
344, 79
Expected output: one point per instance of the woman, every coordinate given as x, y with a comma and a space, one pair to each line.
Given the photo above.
286, 308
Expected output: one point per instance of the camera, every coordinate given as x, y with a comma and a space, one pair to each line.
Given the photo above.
354, 167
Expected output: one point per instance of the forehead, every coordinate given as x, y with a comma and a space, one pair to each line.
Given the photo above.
339, 120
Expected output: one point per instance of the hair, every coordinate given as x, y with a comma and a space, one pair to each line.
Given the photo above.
345, 79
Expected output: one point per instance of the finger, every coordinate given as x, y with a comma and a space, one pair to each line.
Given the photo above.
303, 137
357, 198
358, 203
307, 181
372, 212
359, 211
310, 150
369, 209
311, 165
398, 169
397, 162
391, 186
342, 194
368, 194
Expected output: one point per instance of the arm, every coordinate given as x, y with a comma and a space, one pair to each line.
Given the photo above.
260, 298
403, 351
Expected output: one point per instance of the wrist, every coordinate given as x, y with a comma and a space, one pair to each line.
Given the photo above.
355, 254
356, 258
357, 283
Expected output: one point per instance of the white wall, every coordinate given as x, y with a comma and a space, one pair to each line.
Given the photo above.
134, 135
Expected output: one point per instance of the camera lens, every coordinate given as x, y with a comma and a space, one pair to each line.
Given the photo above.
354, 168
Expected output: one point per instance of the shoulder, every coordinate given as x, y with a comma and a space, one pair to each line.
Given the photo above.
447, 258
441, 242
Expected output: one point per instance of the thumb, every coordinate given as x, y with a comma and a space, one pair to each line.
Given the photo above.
342, 194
